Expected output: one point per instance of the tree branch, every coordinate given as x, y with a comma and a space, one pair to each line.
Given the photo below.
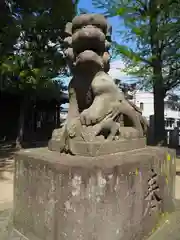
173, 79
146, 61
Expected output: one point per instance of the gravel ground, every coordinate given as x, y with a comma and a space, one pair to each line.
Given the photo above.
5, 224
170, 230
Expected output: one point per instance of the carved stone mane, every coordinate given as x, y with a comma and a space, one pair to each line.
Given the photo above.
100, 120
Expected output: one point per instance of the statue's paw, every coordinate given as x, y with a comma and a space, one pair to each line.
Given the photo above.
73, 127
88, 118
129, 133
57, 133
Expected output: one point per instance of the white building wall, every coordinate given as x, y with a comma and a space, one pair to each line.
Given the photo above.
147, 100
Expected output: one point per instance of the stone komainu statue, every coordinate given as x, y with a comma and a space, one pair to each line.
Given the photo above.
99, 114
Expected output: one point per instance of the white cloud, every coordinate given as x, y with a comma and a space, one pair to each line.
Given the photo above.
116, 71
117, 64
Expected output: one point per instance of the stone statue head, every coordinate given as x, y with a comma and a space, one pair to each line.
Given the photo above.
87, 42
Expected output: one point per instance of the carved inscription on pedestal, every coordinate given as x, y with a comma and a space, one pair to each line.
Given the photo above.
152, 195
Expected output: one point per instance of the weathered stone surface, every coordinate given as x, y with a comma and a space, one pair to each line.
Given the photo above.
5, 223
169, 228
98, 110
94, 149
117, 196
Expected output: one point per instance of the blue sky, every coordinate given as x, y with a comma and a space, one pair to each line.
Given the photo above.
117, 64
117, 25
115, 21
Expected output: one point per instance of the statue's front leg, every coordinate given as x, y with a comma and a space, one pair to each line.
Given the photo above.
58, 139
96, 112
73, 118
134, 116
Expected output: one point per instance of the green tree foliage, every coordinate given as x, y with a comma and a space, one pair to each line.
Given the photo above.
31, 46
152, 28
9, 33
37, 56
8, 30
172, 101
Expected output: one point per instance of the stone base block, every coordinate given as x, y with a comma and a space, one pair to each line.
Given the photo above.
95, 149
120, 196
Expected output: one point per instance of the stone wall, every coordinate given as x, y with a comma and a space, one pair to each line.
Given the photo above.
119, 197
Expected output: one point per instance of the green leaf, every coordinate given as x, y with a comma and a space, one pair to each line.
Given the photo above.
121, 11
127, 52
23, 73
137, 31
6, 67
36, 71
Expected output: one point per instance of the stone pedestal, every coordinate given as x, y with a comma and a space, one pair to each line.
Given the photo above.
119, 197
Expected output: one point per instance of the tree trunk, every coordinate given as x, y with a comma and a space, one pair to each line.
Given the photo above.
159, 125
158, 84
57, 116
21, 121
